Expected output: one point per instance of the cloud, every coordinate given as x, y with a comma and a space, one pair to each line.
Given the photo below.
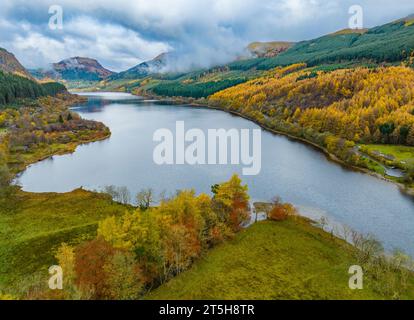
122, 33
115, 46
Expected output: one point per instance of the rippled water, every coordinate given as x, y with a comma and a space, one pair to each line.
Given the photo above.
292, 170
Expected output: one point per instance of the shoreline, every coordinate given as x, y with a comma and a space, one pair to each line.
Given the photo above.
191, 103
68, 148
71, 149
331, 157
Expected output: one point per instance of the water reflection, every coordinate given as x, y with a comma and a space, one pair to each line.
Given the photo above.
294, 171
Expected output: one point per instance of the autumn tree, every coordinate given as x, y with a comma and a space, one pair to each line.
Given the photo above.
281, 211
66, 260
410, 136
123, 277
165, 240
91, 276
232, 200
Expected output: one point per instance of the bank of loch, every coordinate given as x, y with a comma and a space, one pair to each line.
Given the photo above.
292, 170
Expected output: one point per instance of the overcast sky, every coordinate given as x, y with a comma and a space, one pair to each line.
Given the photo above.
123, 33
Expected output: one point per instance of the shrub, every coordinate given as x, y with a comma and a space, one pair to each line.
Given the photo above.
281, 211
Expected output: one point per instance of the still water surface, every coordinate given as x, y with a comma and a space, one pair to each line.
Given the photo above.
292, 170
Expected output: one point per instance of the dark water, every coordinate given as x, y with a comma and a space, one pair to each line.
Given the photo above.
294, 171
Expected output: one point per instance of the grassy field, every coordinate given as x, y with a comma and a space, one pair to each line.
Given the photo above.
273, 260
37, 224
403, 154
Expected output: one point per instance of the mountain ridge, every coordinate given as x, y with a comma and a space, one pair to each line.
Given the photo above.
10, 64
145, 68
74, 68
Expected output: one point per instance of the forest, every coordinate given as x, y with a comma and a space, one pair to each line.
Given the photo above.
362, 105
125, 252
146, 245
196, 90
13, 87
392, 42
385, 45
335, 109
40, 128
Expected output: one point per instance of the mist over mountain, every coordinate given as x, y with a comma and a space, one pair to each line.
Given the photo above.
75, 68
202, 33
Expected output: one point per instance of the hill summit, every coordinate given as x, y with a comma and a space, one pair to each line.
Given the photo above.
9, 64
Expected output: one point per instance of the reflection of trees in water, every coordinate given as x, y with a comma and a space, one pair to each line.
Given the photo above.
97, 105
94, 106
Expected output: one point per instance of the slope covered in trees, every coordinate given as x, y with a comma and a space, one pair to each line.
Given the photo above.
194, 90
392, 42
190, 247
334, 110
389, 44
362, 105
134, 250
14, 87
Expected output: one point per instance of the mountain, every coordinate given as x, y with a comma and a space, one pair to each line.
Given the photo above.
17, 83
9, 64
144, 69
349, 31
76, 68
13, 87
388, 43
158, 64
268, 49
407, 20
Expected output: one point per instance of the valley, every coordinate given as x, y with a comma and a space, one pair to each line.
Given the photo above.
79, 186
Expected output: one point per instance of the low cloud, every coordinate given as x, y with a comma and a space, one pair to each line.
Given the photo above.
202, 33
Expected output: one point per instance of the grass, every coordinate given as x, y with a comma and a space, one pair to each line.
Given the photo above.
273, 260
403, 154
375, 167
39, 223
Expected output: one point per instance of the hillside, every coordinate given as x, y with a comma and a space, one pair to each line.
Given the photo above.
30, 234
350, 31
335, 110
14, 87
143, 69
351, 103
388, 43
76, 68
9, 64
268, 49
276, 261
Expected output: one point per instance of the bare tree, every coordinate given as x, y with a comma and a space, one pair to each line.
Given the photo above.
124, 195
119, 194
112, 191
145, 199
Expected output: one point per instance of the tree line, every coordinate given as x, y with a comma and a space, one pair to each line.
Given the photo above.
335, 110
13, 87
388, 43
147, 246
194, 90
